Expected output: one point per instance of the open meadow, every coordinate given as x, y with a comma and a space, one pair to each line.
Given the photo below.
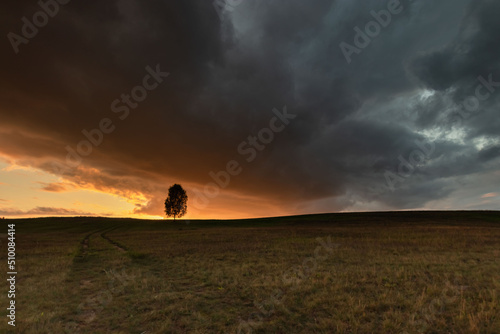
404, 272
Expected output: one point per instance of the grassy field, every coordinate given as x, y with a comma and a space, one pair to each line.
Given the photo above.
405, 272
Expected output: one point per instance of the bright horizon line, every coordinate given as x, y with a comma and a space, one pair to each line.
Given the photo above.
248, 218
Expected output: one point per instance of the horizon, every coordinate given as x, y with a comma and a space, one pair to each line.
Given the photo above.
255, 109
184, 220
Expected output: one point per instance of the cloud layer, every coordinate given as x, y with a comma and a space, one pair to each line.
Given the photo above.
227, 73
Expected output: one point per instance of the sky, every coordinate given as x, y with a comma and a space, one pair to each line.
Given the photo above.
257, 108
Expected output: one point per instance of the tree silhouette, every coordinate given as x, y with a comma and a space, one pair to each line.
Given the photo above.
176, 202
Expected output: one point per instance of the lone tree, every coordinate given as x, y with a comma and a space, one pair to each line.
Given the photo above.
176, 202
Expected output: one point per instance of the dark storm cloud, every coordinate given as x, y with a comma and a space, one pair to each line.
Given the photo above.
473, 52
228, 73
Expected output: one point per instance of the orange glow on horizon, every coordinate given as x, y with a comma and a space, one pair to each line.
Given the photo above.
27, 192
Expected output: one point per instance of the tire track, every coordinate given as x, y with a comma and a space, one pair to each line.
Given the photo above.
88, 281
116, 244
84, 246
85, 243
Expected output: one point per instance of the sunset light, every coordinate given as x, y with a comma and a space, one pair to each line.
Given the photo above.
250, 166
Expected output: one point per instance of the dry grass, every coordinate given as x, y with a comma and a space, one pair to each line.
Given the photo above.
384, 273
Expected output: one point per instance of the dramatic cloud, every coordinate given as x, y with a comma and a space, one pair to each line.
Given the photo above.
400, 126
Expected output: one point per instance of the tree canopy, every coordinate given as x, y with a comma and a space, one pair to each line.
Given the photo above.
176, 202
